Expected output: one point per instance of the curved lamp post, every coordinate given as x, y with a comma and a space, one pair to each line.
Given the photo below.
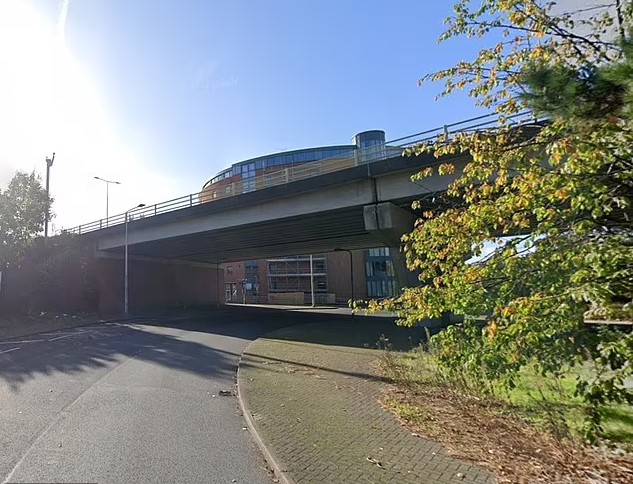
108, 183
125, 283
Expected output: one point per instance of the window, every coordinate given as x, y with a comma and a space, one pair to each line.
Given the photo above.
379, 252
248, 185
381, 280
269, 179
229, 269
251, 271
230, 291
381, 288
318, 266
292, 274
380, 269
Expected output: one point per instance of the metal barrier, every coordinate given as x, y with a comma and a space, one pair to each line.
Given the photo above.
288, 174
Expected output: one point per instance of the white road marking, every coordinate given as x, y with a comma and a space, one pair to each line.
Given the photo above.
7, 351
65, 336
21, 341
59, 335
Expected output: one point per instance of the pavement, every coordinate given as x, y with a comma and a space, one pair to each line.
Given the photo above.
311, 396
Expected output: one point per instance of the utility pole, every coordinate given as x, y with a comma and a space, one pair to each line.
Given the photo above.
49, 163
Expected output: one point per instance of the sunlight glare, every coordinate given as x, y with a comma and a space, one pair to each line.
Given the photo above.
49, 104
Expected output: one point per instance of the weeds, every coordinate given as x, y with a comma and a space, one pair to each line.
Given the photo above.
531, 433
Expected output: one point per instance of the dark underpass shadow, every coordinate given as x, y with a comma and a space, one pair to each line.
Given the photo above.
163, 342
358, 331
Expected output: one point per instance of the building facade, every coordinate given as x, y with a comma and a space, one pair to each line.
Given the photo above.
332, 278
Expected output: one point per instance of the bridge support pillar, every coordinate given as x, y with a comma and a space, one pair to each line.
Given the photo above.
388, 222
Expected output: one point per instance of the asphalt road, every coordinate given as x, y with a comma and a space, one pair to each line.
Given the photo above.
134, 402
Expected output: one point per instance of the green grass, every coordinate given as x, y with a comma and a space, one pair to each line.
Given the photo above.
410, 413
541, 399
544, 401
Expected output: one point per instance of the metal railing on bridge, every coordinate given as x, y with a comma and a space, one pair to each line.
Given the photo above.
282, 175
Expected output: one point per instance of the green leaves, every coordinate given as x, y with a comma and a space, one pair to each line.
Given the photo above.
22, 210
555, 200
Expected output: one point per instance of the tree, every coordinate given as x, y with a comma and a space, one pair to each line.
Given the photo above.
57, 276
22, 209
562, 189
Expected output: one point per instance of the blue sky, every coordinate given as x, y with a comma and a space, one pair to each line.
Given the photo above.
163, 94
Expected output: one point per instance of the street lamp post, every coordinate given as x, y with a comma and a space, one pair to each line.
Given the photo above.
49, 163
312, 281
243, 281
351, 268
125, 283
108, 183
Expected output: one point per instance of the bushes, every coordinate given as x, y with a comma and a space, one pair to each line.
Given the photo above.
56, 277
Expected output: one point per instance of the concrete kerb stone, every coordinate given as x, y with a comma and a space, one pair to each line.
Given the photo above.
274, 464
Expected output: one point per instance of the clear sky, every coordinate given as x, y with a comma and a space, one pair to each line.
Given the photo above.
160, 95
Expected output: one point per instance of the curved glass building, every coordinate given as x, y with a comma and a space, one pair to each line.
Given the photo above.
262, 171
287, 280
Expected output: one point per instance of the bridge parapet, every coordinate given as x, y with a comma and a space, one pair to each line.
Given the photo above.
362, 156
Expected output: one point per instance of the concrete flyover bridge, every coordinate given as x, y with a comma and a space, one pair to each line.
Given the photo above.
351, 202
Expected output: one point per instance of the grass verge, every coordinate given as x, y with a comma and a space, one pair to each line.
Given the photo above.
528, 435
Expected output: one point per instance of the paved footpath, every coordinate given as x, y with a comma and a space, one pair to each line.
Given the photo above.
311, 394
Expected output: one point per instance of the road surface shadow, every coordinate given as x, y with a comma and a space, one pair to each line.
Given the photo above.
338, 329
166, 341
111, 346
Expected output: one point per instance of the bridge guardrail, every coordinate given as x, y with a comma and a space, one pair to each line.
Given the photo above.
280, 176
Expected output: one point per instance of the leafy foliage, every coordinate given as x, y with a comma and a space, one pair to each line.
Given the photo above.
22, 209
553, 197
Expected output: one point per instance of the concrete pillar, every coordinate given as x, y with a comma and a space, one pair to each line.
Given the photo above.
405, 277
388, 223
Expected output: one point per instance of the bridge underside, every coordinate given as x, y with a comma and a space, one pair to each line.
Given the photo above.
175, 255
305, 234
337, 210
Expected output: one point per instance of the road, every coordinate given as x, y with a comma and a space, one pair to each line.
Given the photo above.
133, 402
